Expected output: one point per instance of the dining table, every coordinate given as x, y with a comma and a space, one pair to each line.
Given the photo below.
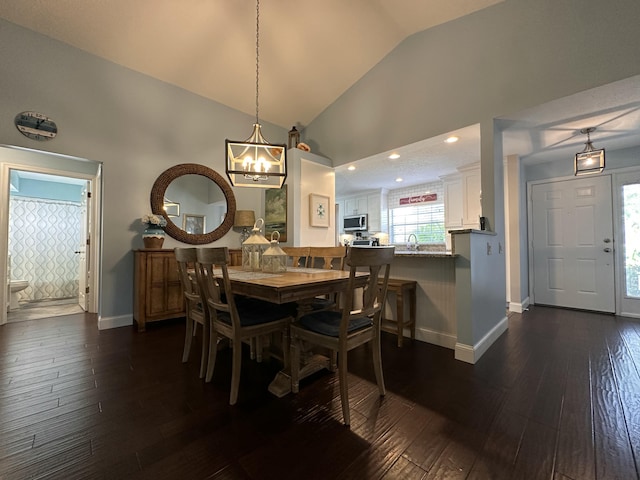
296, 284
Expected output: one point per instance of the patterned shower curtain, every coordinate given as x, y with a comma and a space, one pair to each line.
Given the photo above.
43, 236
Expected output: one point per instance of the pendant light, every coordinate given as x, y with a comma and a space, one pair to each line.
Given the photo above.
255, 162
589, 160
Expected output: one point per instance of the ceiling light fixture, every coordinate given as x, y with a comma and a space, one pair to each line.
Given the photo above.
398, 179
452, 139
589, 160
256, 162
351, 168
394, 156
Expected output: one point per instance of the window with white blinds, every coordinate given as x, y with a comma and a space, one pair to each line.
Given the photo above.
425, 220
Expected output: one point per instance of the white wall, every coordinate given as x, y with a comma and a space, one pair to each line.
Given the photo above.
318, 179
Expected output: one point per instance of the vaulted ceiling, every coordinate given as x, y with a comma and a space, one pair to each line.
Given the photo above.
310, 53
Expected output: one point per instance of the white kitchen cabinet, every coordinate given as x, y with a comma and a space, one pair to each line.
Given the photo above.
471, 195
355, 205
377, 208
453, 203
373, 203
462, 207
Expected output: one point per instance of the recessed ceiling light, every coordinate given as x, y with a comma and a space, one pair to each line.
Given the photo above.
393, 156
452, 139
398, 179
351, 167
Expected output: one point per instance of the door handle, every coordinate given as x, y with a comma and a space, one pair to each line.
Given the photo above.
607, 240
607, 249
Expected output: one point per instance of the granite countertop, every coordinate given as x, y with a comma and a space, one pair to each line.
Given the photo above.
418, 253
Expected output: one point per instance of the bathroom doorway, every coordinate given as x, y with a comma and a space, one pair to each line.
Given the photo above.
50, 236
46, 267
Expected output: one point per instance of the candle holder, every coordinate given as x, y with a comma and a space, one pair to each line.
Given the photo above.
253, 248
274, 259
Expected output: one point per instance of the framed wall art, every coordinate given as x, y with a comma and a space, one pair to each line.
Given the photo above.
193, 224
275, 212
318, 210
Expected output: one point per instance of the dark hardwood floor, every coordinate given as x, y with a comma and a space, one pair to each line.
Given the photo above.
556, 397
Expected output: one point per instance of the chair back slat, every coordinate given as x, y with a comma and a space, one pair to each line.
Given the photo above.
186, 259
377, 262
329, 258
299, 255
216, 291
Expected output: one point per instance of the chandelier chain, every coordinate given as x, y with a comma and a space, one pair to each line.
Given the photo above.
257, 55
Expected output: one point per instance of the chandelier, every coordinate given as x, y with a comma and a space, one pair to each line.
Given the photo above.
255, 162
589, 160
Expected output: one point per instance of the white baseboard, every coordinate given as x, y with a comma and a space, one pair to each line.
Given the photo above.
441, 339
471, 354
519, 307
115, 322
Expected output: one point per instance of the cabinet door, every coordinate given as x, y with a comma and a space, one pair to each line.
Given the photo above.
164, 291
453, 203
355, 205
472, 207
373, 210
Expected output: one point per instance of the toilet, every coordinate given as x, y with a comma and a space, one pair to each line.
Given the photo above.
16, 286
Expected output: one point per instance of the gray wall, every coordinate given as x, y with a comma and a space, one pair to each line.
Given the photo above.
136, 126
501, 60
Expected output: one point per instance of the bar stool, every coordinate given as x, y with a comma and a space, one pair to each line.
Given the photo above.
401, 288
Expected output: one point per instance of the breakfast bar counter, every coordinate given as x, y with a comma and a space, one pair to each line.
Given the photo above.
434, 273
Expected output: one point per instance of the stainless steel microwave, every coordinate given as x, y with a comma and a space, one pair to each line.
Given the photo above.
354, 223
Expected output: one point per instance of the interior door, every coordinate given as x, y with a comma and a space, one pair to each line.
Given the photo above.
572, 243
83, 249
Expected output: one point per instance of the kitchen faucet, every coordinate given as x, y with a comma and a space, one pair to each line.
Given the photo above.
412, 245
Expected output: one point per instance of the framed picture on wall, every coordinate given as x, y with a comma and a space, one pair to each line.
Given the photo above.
193, 223
275, 212
318, 210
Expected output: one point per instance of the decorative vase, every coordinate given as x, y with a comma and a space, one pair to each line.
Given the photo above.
153, 237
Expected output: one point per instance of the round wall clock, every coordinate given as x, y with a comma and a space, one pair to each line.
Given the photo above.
36, 126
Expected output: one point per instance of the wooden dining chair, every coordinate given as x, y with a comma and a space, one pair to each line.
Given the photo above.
328, 258
344, 330
196, 312
298, 256
236, 321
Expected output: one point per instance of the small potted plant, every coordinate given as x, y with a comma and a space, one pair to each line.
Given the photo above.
153, 235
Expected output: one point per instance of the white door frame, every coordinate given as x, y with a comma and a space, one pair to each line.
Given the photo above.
94, 265
624, 306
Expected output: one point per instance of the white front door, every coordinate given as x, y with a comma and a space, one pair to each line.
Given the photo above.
572, 243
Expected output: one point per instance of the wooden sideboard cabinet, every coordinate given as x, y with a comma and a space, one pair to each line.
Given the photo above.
236, 256
158, 292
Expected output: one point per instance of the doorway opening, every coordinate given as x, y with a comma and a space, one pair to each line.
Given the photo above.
46, 242
49, 240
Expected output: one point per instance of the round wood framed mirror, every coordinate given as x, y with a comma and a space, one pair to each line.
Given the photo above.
203, 220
